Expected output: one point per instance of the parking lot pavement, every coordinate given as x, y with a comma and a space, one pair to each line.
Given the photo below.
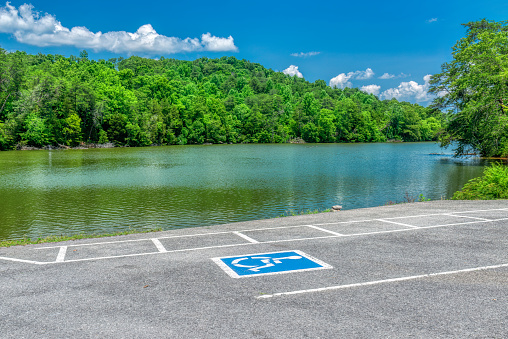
434, 269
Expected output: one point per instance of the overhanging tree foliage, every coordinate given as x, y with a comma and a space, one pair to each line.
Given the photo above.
473, 87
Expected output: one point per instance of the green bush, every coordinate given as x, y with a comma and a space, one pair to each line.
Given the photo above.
492, 185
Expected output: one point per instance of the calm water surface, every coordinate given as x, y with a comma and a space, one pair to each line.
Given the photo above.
104, 190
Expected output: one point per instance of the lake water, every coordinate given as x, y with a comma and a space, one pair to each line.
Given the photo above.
105, 190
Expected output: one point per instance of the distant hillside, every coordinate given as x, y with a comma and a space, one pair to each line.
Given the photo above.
51, 99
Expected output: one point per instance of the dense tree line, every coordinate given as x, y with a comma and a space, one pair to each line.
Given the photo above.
51, 99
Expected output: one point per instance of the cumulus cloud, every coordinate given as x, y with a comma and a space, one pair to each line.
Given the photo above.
387, 76
305, 55
410, 91
343, 80
371, 89
393, 76
292, 71
363, 75
432, 20
29, 27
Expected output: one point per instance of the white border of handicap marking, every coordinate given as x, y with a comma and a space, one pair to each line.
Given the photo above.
233, 274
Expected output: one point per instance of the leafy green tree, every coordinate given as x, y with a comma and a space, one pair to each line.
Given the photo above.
72, 130
310, 132
474, 89
196, 132
326, 126
36, 133
429, 128
116, 127
103, 137
5, 138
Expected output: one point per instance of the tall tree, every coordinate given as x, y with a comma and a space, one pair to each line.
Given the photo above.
473, 87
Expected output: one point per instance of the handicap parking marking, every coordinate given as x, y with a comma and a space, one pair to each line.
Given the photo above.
251, 265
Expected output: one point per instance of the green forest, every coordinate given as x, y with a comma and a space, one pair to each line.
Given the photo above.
57, 100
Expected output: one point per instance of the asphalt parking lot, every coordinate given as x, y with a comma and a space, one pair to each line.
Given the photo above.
436, 269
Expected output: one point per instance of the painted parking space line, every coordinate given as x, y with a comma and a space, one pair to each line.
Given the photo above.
488, 210
159, 245
326, 231
397, 223
377, 282
61, 254
294, 226
250, 241
264, 242
133, 240
246, 237
21, 260
468, 217
487, 214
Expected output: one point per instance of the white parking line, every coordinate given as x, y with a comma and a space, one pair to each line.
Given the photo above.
474, 211
465, 216
133, 240
23, 260
377, 282
273, 241
327, 231
294, 226
61, 254
249, 239
159, 245
397, 223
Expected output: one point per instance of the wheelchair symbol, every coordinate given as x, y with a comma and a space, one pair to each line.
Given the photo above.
265, 262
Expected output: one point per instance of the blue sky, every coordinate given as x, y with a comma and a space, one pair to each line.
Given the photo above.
386, 48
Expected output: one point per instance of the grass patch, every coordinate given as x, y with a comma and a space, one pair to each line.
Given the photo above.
59, 238
492, 185
292, 213
408, 199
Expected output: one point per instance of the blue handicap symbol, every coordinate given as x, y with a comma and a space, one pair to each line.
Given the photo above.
269, 263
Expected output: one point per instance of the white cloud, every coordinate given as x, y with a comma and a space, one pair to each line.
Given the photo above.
410, 91
29, 27
304, 55
216, 44
392, 76
371, 89
342, 80
387, 76
292, 71
363, 75
432, 20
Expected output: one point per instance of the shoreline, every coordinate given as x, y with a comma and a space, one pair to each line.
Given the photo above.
81, 236
293, 141
60, 238
299, 141
63, 147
